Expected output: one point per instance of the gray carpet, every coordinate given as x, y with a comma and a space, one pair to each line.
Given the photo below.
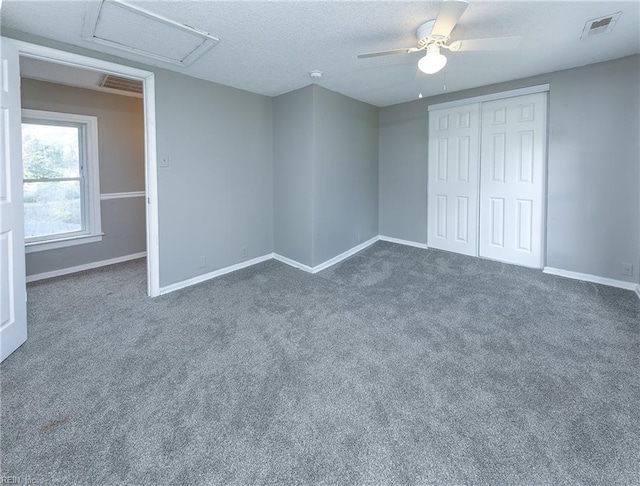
398, 366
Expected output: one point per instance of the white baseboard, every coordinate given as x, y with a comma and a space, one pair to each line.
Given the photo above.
86, 266
208, 276
328, 263
238, 266
337, 259
345, 255
403, 242
285, 260
293, 263
591, 278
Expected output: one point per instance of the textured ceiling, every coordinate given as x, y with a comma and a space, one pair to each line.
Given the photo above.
270, 47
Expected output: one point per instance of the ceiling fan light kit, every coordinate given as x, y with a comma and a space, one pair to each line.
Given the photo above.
433, 61
434, 35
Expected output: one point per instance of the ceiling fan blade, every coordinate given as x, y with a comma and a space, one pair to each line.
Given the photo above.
407, 50
491, 44
450, 13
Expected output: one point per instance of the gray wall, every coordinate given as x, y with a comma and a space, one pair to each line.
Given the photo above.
216, 197
326, 174
402, 147
121, 152
593, 221
345, 174
594, 167
293, 159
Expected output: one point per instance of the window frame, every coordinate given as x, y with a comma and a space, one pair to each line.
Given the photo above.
89, 177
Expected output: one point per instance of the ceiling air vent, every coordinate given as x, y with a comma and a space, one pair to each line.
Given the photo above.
144, 34
600, 25
121, 84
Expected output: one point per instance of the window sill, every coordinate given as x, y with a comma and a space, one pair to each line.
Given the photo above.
36, 246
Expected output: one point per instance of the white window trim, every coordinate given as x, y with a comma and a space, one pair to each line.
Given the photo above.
93, 232
37, 246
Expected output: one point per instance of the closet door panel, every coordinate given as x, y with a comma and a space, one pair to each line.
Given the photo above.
512, 172
452, 192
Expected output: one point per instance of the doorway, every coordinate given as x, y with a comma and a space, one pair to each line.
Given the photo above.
13, 328
83, 163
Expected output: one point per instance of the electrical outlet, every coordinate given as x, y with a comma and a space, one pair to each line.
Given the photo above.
203, 262
245, 252
626, 269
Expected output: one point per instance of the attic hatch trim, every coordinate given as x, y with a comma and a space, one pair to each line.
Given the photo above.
93, 16
598, 26
121, 83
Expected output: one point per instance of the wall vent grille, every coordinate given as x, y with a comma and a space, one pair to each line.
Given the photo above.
121, 84
600, 25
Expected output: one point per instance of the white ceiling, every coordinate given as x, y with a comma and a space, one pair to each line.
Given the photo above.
70, 76
270, 47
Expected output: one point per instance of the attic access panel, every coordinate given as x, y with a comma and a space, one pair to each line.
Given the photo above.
132, 29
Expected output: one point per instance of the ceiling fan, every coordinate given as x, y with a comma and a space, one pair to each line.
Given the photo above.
435, 35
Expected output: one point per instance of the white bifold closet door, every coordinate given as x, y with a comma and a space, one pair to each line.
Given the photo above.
486, 179
513, 150
452, 205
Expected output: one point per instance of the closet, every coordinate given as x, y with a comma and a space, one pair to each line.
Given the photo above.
486, 178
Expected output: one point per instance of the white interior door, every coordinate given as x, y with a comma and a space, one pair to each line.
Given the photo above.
13, 310
453, 179
512, 179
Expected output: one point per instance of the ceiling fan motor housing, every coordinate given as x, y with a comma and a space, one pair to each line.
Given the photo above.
424, 35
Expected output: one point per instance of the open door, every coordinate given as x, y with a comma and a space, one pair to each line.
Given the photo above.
13, 306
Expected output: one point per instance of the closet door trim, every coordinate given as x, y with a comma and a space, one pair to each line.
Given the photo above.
539, 88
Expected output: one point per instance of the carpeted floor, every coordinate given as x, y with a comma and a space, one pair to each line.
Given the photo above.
398, 366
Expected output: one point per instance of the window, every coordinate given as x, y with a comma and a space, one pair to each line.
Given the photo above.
60, 180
